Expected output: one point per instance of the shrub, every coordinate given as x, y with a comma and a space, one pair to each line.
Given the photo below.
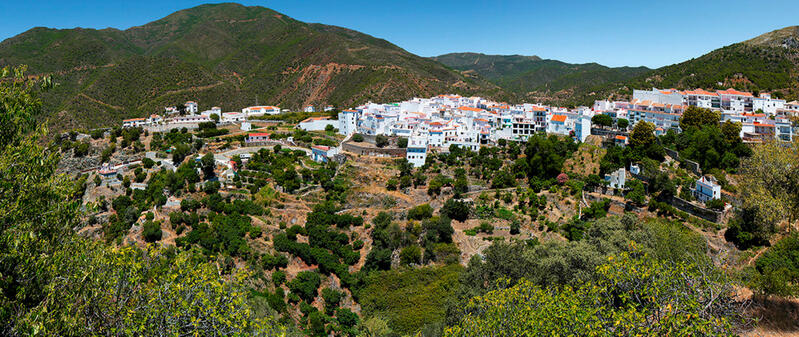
278, 277
456, 210
152, 231
305, 285
421, 212
411, 255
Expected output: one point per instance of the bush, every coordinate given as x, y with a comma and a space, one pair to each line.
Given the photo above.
411, 255
381, 141
402, 142
346, 318
421, 212
332, 299
357, 138
152, 231
778, 268
278, 277
456, 210
305, 285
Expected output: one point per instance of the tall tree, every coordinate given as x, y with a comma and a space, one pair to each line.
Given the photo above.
643, 135
770, 178
699, 117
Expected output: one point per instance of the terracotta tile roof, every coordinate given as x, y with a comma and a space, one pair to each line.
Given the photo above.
732, 91
559, 118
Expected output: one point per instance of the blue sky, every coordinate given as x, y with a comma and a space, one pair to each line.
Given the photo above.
614, 33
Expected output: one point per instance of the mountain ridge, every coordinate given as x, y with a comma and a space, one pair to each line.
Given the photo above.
530, 76
254, 52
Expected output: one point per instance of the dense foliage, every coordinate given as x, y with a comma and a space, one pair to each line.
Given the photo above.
57, 283
633, 294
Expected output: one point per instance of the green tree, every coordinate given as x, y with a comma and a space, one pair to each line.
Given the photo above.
421, 212
770, 178
56, 283
381, 141
602, 120
622, 123
357, 138
180, 152
151, 231
630, 289
214, 117
305, 285
731, 131
208, 165
456, 210
778, 267
699, 117
411, 254
402, 142
643, 135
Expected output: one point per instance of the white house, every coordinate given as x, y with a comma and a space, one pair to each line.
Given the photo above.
308, 108
348, 122
317, 123
133, 122
257, 137
558, 124
767, 104
582, 128
233, 117
322, 154
416, 152
329, 108
191, 107
617, 179
707, 188
261, 110
190, 119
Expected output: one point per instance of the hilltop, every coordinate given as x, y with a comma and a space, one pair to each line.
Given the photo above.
222, 54
767, 63
537, 79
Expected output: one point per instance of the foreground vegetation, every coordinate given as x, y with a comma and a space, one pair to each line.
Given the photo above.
555, 263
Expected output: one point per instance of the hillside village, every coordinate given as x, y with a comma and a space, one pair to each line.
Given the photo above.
250, 179
229, 170
442, 122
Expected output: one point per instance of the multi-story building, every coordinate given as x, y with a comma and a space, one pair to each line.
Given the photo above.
348, 122
416, 152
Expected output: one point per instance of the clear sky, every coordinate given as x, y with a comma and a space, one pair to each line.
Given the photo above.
614, 33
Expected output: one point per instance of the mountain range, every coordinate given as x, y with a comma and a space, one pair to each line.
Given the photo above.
533, 78
226, 55
232, 56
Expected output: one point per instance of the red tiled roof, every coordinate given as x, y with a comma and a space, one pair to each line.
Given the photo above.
559, 118
732, 91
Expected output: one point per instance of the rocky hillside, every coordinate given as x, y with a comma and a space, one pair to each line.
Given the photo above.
227, 55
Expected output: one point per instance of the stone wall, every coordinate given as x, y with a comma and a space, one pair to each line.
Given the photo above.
373, 151
698, 211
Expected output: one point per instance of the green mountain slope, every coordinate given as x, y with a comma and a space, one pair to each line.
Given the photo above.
225, 55
533, 77
767, 63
